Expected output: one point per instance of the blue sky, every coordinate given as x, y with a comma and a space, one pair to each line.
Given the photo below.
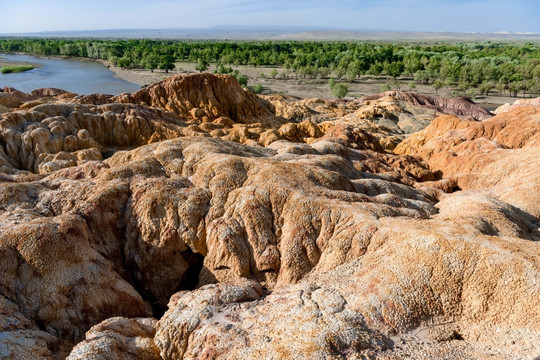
411, 15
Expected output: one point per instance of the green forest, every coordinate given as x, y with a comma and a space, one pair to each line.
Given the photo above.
480, 68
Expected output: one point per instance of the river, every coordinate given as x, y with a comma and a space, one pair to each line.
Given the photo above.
78, 76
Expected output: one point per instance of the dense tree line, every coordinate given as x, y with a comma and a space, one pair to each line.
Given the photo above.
485, 66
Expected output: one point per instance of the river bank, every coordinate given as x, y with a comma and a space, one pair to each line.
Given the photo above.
141, 77
74, 75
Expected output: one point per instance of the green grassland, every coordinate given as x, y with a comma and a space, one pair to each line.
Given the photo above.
16, 69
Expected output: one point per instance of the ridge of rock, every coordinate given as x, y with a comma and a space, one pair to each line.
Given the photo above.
459, 106
518, 103
215, 96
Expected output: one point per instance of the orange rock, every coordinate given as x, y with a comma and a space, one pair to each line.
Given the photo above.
268, 227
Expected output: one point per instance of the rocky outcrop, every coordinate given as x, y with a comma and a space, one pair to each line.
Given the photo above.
13, 98
163, 213
494, 155
10, 100
186, 238
119, 338
216, 96
53, 136
220, 108
217, 321
391, 116
58, 280
518, 103
295, 109
92, 99
462, 107
47, 92
21, 338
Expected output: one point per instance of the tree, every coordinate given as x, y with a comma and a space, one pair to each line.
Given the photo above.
258, 89
500, 87
412, 85
437, 85
471, 93
324, 71
150, 62
412, 64
450, 71
515, 88
242, 80
463, 86
273, 73
533, 86
351, 74
421, 77
224, 70
166, 63
331, 83
485, 87
375, 69
394, 69
340, 90
202, 65
125, 62
385, 87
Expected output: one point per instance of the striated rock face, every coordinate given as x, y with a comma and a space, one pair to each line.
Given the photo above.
47, 92
303, 238
451, 106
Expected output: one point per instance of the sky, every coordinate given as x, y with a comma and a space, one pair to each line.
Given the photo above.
403, 15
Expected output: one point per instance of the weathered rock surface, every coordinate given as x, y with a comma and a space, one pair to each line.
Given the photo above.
47, 92
51, 129
518, 103
53, 136
320, 244
21, 338
215, 96
57, 278
119, 338
217, 321
462, 107
499, 155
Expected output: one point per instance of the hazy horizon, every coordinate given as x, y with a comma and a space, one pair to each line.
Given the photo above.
480, 16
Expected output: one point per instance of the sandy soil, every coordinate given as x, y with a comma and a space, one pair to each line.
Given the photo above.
310, 88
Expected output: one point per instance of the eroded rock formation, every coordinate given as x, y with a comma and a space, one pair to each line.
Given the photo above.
518, 103
452, 106
270, 228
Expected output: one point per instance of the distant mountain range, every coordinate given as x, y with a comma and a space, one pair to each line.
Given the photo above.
240, 32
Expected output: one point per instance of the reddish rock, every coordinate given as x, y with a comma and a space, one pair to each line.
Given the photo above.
459, 106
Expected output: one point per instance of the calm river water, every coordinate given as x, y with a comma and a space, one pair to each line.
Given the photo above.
81, 77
